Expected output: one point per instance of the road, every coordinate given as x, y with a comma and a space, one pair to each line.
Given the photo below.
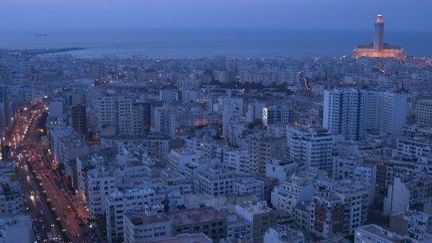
59, 215
45, 227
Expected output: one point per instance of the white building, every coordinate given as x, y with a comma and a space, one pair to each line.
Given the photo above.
352, 167
239, 160
67, 145
392, 111
249, 186
231, 109
375, 234
215, 182
139, 227
344, 112
350, 112
367, 174
349, 204
259, 214
412, 148
404, 192
100, 185
311, 147
122, 115
283, 235
120, 202
106, 114
292, 192
280, 169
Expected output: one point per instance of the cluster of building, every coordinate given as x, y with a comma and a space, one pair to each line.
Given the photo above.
232, 150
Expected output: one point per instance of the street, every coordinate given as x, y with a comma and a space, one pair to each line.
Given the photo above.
58, 214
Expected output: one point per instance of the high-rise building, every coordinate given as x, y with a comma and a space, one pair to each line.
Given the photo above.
79, 119
122, 116
311, 147
106, 114
392, 111
231, 109
344, 112
371, 111
350, 112
141, 119
165, 121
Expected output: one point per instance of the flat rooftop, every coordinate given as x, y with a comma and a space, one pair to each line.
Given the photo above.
195, 216
146, 219
186, 238
380, 232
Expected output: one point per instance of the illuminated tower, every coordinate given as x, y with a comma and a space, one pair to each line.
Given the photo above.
376, 49
379, 33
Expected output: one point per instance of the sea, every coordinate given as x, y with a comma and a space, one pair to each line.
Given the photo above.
197, 43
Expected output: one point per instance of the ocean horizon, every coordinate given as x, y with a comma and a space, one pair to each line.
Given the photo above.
196, 43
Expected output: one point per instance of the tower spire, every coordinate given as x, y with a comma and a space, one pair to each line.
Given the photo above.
379, 32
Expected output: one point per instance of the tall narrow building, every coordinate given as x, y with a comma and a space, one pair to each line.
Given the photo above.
392, 111
311, 147
379, 33
344, 113
165, 121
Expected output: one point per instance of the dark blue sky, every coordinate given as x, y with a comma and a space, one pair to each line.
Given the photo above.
44, 15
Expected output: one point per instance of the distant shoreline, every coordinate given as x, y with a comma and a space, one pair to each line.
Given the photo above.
52, 50
34, 52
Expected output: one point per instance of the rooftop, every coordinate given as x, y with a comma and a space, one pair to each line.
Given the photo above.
186, 238
142, 219
380, 232
195, 216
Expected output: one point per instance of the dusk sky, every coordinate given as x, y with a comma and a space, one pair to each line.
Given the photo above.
45, 15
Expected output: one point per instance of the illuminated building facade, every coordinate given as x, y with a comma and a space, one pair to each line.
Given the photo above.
379, 49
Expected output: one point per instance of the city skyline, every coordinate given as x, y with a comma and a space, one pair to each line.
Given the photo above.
219, 124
